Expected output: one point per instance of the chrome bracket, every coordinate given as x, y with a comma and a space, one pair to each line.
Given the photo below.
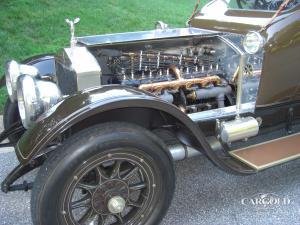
240, 85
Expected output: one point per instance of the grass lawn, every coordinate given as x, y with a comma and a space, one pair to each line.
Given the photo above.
30, 27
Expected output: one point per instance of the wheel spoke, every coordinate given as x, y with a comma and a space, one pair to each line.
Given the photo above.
87, 215
136, 187
102, 219
104, 180
134, 204
86, 187
141, 175
116, 170
144, 196
130, 173
100, 173
81, 203
119, 217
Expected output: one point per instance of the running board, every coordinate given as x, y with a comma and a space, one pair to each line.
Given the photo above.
270, 153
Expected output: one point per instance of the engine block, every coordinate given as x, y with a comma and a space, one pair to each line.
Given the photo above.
189, 73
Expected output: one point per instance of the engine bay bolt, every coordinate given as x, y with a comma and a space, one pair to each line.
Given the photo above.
187, 70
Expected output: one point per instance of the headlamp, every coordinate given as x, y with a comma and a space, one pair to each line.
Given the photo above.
35, 97
12, 72
253, 42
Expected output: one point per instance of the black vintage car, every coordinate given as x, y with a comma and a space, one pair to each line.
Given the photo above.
105, 118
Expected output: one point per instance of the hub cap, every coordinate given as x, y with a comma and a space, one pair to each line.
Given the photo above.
116, 204
108, 196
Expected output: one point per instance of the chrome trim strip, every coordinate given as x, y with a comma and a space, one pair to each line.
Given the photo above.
221, 112
142, 36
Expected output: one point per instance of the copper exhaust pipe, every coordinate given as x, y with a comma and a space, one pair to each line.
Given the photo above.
175, 71
180, 83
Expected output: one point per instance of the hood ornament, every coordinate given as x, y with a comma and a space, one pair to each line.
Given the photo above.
72, 24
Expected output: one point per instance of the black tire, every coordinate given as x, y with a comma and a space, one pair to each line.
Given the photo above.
85, 163
10, 117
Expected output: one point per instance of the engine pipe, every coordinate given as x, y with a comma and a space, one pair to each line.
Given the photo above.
215, 92
166, 96
181, 83
181, 152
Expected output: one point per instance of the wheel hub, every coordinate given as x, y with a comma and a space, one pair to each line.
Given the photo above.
116, 204
110, 197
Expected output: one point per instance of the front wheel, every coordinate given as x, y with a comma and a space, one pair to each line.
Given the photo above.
114, 173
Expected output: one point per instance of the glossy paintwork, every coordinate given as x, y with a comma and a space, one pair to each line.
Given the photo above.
95, 101
44, 63
233, 21
280, 80
83, 105
237, 21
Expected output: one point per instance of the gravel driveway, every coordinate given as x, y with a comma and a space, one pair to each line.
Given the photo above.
204, 195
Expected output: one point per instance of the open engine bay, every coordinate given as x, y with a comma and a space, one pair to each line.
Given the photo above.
195, 74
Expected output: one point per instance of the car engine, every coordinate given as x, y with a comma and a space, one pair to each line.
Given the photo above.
197, 72
194, 78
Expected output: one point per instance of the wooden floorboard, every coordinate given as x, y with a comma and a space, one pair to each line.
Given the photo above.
271, 153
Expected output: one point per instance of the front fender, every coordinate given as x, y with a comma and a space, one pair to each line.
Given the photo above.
103, 99
85, 104
44, 63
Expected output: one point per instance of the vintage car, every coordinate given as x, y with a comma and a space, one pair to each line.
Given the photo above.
105, 118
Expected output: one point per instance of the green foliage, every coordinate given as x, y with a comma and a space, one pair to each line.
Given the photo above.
30, 27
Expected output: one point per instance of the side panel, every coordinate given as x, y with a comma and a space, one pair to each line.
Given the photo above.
280, 81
